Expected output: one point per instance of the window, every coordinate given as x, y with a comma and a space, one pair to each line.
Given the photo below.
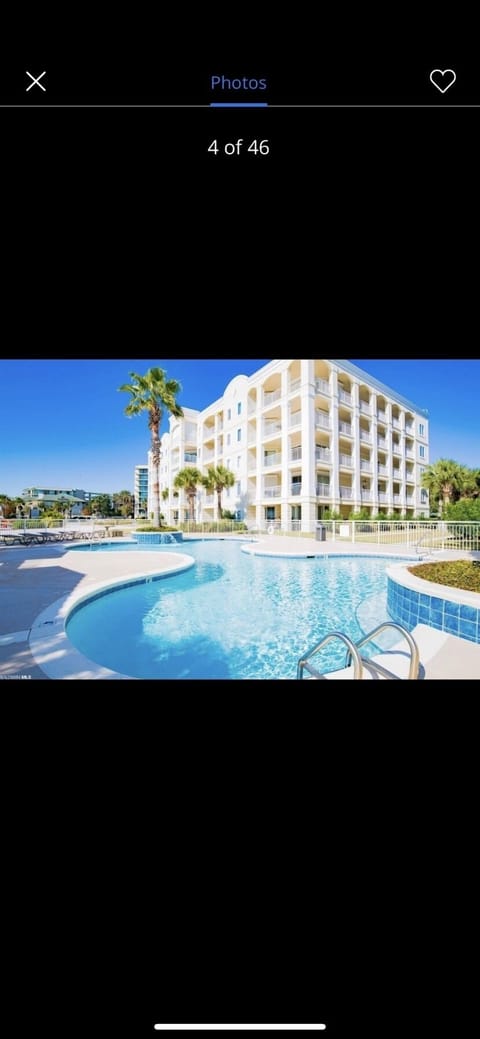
239, 408
228, 439
421, 429
423, 497
239, 434
229, 414
421, 451
238, 461
239, 488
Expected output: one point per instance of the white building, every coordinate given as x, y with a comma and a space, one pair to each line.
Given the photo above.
303, 438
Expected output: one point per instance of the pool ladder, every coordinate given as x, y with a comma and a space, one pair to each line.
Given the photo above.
354, 655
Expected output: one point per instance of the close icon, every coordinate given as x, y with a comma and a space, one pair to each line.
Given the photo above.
442, 79
36, 82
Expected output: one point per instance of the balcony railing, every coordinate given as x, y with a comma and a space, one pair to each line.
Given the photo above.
366, 437
345, 427
366, 495
296, 488
295, 418
322, 420
272, 492
396, 423
322, 386
346, 460
294, 385
346, 492
322, 454
365, 466
296, 454
382, 496
270, 396
365, 408
381, 442
271, 428
273, 459
323, 490
345, 397
382, 470
382, 416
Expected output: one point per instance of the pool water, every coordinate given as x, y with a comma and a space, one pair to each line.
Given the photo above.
232, 615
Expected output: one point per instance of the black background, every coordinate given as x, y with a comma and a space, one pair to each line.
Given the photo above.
185, 854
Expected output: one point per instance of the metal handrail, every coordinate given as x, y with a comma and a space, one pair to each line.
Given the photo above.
414, 651
303, 664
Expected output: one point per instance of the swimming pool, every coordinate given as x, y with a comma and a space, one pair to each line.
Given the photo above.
231, 616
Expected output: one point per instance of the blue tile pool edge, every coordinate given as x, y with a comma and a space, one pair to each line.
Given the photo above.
412, 600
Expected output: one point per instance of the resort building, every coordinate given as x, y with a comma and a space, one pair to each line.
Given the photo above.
140, 490
304, 439
35, 497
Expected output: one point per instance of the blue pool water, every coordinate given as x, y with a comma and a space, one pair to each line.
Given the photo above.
232, 615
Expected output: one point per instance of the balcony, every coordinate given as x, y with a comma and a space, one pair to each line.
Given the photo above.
295, 418
274, 459
345, 397
323, 490
366, 495
322, 386
396, 423
382, 416
322, 454
345, 427
190, 457
294, 385
382, 497
382, 470
346, 492
410, 428
272, 492
366, 437
322, 420
381, 442
365, 408
270, 396
346, 460
365, 466
296, 454
272, 428
296, 489
397, 499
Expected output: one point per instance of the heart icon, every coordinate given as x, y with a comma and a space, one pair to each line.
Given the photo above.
442, 79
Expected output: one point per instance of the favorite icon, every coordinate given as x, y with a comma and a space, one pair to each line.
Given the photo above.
442, 79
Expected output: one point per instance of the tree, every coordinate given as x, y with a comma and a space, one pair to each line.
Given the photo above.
217, 479
444, 480
153, 393
188, 479
101, 504
123, 503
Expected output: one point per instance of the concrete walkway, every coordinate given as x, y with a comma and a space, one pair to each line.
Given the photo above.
40, 583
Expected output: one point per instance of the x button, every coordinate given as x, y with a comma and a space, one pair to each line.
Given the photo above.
36, 81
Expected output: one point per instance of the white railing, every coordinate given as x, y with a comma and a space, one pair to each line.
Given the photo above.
294, 385
296, 454
366, 437
366, 409
381, 442
295, 489
322, 454
274, 459
345, 397
272, 492
322, 420
270, 396
382, 470
382, 416
322, 386
270, 428
345, 427
295, 418
365, 466
323, 490
346, 460
346, 492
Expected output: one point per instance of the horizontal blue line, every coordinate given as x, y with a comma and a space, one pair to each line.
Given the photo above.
238, 104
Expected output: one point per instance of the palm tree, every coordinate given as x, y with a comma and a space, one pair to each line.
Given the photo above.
189, 479
152, 392
217, 479
444, 480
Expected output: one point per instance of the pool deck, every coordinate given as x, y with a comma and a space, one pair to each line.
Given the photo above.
45, 580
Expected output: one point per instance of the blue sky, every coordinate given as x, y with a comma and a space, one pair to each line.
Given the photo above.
62, 423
